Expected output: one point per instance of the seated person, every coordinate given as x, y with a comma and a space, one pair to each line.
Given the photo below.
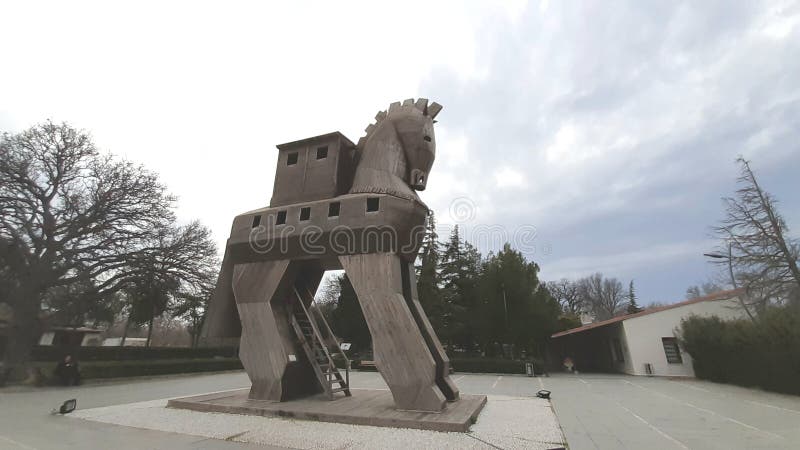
67, 372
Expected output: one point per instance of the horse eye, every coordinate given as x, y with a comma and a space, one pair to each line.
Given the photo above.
428, 138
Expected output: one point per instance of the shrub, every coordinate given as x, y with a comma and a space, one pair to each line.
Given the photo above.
474, 365
765, 353
117, 369
55, 353
491, 365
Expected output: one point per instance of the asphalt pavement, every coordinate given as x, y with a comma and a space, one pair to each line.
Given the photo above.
594, 411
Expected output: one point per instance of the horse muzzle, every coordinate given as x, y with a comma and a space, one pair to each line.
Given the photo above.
418, 179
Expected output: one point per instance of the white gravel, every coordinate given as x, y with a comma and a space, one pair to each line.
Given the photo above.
505, 422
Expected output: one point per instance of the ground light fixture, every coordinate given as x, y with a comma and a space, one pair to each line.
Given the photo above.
67, 407
544, 393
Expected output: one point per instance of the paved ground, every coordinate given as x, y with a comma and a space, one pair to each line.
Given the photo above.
615, 411
25, 422
594, 411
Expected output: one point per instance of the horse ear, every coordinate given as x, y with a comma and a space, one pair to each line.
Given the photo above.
433, 109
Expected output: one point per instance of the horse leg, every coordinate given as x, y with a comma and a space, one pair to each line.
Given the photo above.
265, 337
443, 380
401, 353
222, 326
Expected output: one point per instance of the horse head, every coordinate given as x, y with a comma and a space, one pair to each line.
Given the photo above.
398, 150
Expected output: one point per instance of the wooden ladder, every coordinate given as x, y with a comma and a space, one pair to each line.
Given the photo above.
307, 326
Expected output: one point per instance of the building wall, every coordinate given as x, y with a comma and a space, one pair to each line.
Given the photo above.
643, 336
624, 364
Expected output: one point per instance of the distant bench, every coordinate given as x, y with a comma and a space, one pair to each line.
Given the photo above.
367, 365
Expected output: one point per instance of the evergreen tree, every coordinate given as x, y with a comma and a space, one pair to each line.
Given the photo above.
428, 280
515, 309
633, 308
460, 274
348, 320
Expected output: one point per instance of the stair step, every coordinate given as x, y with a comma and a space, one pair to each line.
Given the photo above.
341, 389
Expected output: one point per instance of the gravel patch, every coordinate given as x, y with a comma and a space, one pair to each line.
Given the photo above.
506, 422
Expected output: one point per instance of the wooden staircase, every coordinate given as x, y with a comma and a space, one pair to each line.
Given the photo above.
310, 325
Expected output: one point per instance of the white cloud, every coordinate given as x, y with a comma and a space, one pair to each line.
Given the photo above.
506, 177
202, 93
626, 262
597, 123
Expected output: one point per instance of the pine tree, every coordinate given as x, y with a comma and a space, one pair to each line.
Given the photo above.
428, 280
633, 308
516, 309
460, 274
348, 320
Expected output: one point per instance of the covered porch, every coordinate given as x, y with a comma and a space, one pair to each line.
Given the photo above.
599, 347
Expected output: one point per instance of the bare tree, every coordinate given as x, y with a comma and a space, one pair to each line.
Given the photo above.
70, 216
192, 309
707, 288
568, 295
603, 296
762, 259
331, 289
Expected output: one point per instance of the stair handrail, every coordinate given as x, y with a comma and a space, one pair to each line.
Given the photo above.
314, 328
330, 333
335, 339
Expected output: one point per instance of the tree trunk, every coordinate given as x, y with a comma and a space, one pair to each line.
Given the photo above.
23, 333
125, 330
149, 332
194, 332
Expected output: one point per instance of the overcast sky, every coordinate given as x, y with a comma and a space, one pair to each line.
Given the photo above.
599, 136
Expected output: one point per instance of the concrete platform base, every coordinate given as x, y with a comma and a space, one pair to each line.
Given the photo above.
365, 407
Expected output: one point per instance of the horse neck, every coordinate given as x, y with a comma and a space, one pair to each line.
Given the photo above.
382, 167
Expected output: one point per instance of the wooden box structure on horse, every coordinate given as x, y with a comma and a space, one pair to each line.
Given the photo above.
313, 169
337, 205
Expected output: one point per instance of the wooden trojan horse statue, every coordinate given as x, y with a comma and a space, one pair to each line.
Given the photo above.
336, 205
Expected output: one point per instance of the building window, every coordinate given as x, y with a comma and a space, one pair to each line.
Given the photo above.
256, 221
305, 213
333, 209
672, 350
618, 355
322, 152
281, 219
291, 159
373, 204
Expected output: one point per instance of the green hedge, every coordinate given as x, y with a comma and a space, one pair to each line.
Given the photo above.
55, 353
492, 365
478, 365
118, 369
763, 354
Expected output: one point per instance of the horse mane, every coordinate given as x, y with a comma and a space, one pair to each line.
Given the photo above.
421, 106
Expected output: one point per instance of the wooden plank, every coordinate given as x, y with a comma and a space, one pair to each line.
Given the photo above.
365, 407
